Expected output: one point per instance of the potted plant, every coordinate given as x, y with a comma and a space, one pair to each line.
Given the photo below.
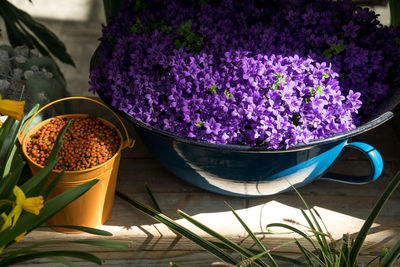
239, 97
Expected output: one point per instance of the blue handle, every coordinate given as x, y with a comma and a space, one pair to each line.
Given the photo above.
376, 166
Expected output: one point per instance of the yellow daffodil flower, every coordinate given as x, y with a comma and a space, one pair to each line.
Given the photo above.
20, 237
30, 204
6, 221
12, 108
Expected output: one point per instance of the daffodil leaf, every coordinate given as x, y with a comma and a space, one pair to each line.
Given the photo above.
46, 192
8, 183
28, 221
89, 230
47, 254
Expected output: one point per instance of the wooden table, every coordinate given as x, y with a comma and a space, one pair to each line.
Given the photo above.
343, 208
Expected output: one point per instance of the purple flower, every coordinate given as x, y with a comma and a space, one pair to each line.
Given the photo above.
246, 72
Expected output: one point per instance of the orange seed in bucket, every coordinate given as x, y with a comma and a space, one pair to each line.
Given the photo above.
87, 143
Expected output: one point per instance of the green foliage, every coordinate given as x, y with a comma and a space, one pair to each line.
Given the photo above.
325, 251
213, 89
111, 7
228, 95
394, 12
334, 49
278, 82
22, 29
188, 39
199, 124
152, 26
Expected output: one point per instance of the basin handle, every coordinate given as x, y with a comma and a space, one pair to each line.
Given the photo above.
376, 166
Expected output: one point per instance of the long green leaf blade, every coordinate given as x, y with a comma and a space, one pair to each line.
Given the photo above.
231, 245
293, 229
100, 243
250, 260
178, 228
355, 249
88, 230
322, 249
392, 255
8, 183
324, 246
47, 254
305, 254
251, 234
153, 199
46, 192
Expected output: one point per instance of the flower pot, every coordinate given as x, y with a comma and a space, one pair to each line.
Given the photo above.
95, 206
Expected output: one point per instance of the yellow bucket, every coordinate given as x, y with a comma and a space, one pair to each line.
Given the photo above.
95, 206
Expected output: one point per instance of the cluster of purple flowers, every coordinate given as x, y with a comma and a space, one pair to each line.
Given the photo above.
259, 73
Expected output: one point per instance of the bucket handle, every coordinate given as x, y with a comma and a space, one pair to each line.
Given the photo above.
127, 143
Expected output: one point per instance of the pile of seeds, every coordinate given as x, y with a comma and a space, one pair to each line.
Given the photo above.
87, 143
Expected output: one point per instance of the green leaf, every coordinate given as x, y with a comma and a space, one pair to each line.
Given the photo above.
391, 256
100, 243
288, 260
178, 228
294, 229
327, 53
111, 8
255, 239
355, 249
31, 256
46, 192
103, 243
14, 34
88, 230
324, 246
213, 89
29, 186
394, 12
229, 244
7, 141
27, 116
49, 39
250, 260
7, 184
153, 199
28, 221
305, 254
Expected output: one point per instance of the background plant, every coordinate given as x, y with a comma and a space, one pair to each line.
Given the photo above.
22, 29
25, 72
19, 218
